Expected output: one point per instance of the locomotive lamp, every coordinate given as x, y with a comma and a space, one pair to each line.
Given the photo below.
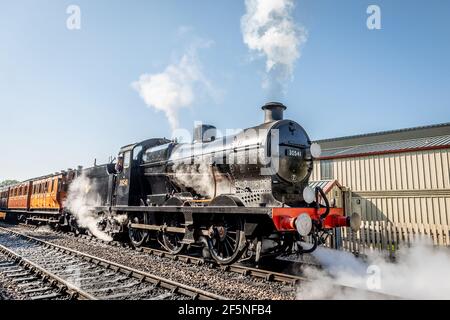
303, 224
308, 195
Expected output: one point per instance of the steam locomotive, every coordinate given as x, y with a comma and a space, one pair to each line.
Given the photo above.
241, 195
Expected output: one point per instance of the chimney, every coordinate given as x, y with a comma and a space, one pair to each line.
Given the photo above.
273, 111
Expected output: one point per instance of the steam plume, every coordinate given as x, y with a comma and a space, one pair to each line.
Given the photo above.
268, 29
420, 272
177, 86
81, 196
200, 178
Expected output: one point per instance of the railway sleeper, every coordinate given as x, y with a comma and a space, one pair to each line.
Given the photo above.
24, 279
71, 273
93, 283
37, 290
46, 297
101, 276
63, 268
127, 294
60, 263
12, 271
125, 286
29, 284
163, 296
6, 264
18, 274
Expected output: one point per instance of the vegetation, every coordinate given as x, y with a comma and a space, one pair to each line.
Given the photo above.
6, 183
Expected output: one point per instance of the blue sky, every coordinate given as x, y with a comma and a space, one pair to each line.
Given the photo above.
66, 96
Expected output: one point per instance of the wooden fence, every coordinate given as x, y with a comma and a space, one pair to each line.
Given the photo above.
387, 237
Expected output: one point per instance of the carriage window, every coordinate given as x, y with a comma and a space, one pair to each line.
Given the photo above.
326, 169
126, 159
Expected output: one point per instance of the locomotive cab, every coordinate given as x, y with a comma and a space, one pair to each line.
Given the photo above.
129, 189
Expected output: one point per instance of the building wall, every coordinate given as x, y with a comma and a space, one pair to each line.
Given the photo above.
402, 188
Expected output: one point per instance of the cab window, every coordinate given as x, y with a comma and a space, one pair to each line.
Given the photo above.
136, 152
126, 159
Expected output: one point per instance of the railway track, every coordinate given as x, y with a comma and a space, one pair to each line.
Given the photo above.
261, 273
26, 281
82, 276
239, 268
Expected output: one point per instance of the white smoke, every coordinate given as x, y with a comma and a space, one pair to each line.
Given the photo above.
81, 196
419, 272
268, 29
200, 178
177, 86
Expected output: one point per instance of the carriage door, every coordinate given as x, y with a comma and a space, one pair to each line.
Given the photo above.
123, 180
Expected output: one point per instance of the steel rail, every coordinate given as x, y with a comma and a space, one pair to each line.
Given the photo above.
74, 291
176, 287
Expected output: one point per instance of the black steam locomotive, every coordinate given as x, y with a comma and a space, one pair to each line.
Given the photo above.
245, 193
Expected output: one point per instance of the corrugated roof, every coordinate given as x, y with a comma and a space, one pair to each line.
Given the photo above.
319, 183
325, 185
387, 147
433, 126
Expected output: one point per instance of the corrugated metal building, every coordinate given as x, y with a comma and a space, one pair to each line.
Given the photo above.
400, 177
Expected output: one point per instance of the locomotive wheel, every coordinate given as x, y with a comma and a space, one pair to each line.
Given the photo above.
137, 236
227, 240
172, 240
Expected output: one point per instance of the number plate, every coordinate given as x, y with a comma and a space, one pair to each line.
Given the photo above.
293, 153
